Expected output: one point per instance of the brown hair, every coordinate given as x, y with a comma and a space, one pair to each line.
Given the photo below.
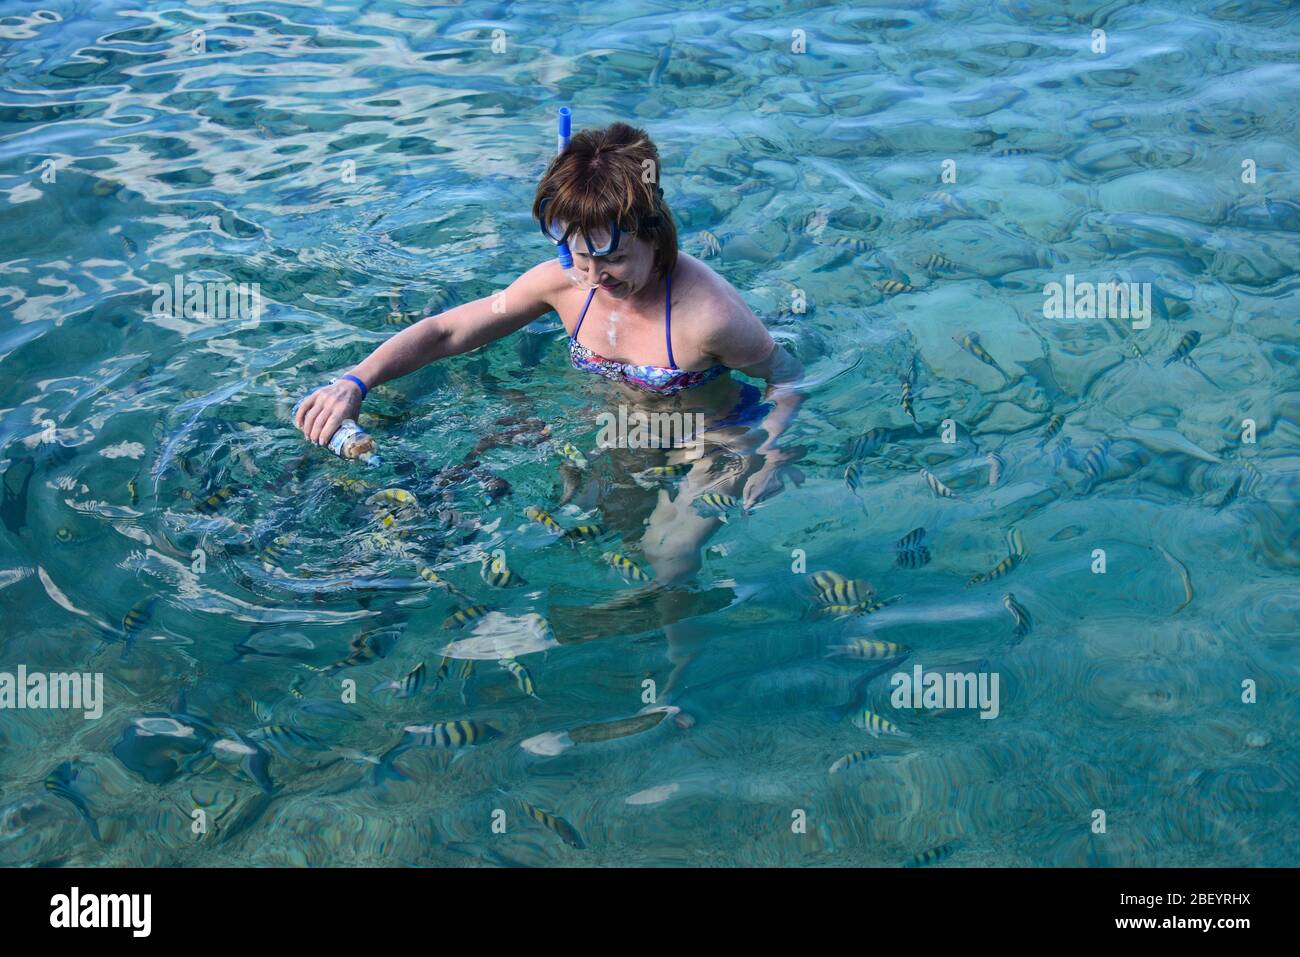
600, 177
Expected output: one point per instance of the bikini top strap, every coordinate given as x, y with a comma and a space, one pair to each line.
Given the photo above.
668, 318
585, 306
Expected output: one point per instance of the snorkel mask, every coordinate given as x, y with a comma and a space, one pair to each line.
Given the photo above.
560, 232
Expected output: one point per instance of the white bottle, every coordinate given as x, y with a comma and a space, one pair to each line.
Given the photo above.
350, 441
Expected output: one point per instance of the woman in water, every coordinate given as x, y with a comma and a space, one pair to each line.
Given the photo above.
659, 329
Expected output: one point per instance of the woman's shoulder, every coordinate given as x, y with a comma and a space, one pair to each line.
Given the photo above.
708, 292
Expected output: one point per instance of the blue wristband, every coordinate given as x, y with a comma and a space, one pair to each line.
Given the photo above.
360, 385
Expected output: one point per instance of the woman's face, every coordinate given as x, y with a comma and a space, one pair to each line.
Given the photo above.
621, 274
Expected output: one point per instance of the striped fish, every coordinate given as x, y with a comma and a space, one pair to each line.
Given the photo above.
1023, 622
832, 588
558, 825
664, 473
394, 496
1014, 151
971, 343
853, 477
868, 649
913, 558
463, 616
352, 485
445, 736
571, 453
522, 678
433, 578
912, 539
936, 486
996, 465
408, 686
278, 736
875, 725
718, 504
936, 262
443, 668
849, 760
934, 855
583, 533
449, 735
1097, 462
625, 567
1001, 568
272, 555
849, 242
868, 443
544, 518
1184, 348
1053, 429
216, 501
364, 648
710, 245
139, 615
906, 403
892, 287
851, 611
498, 575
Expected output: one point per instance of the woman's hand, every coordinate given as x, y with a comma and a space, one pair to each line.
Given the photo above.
769, 479
322, 412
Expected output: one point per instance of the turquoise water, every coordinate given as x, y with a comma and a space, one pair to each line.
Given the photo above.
1126, 696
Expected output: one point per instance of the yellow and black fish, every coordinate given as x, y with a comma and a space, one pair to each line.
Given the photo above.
463, 616
717, 504
433, 578
853, 477
936, 262
971, 343
850, 759
444, 735
583, 533
850, 242
629, 569
934, 855
936, 486
906, 402
851, 611
1183, 350
892, 287
135, 620
216, 501
875, 725
496, 573
868, 649
868, 443
394, 496
522, 677
832, 588
663, 473
1023, 621
1001, 568
544, 518
1053, 429
407, 686
552, 822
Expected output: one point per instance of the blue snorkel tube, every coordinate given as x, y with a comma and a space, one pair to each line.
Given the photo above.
566, 130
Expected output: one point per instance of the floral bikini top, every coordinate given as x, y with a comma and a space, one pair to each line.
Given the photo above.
656, 379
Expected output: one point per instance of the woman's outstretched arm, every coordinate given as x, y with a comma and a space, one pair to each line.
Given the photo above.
451, 333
